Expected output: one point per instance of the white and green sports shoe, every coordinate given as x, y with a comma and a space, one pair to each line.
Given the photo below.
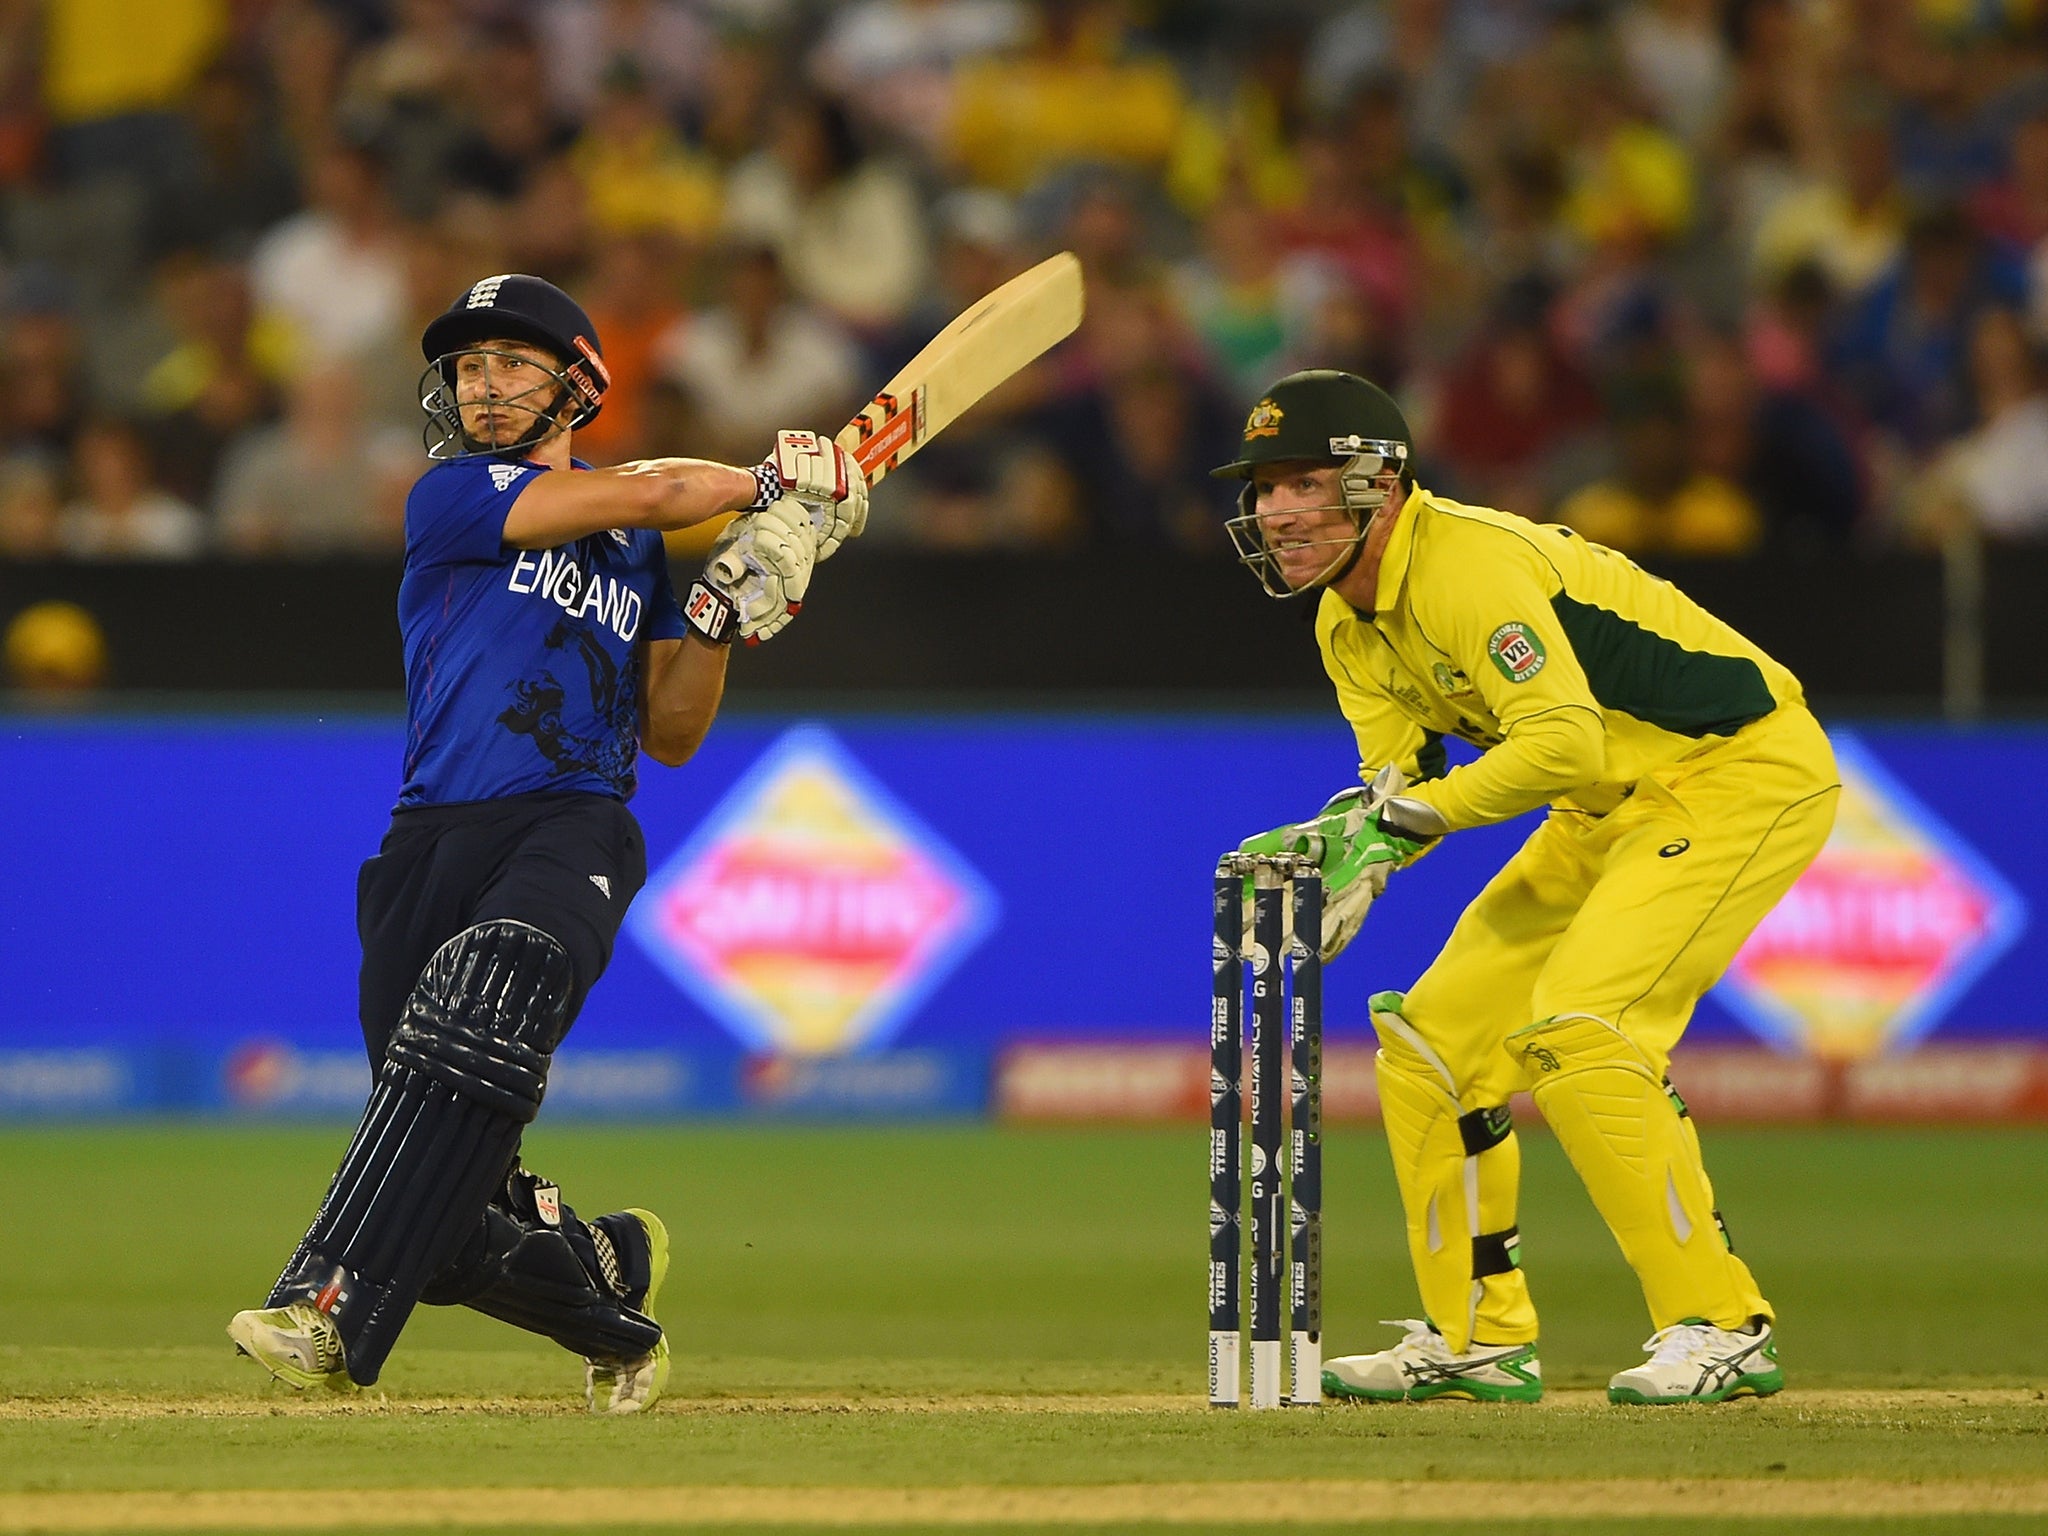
298, 1344
1421, 1366
1695, 1362
633, 1386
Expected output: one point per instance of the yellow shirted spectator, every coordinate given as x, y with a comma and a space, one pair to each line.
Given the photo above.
103, 58
636, 170
1072, 98
1247, 142
1705, 516
1637, 180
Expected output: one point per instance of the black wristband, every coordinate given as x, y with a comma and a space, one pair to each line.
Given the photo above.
768, 487
710, 612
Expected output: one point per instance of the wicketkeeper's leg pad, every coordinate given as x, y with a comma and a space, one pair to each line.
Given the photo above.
1626, 1134
533, 1263
1459, 1172
462, 1077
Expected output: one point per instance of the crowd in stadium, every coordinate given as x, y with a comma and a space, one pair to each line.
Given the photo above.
1700, 277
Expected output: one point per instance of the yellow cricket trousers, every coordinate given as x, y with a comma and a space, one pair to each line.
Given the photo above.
1605, 931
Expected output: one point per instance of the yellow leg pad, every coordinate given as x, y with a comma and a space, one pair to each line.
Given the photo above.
1640, 1162
1448, 1197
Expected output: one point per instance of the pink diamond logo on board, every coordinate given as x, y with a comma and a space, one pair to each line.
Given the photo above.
812, 911
1881, 935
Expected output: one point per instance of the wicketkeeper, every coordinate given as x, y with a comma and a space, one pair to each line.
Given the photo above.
544, 651
1687, 787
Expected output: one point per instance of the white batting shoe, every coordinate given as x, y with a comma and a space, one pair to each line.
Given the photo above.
1695, 1362
298, 1344
1422, 1366
634, 1386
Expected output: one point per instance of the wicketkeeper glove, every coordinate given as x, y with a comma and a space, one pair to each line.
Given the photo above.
822, 476
1359, 838
755, 577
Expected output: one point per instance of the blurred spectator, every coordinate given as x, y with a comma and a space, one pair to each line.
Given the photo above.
551, 230
1849, 222
321, 482
217, 381
2014, 208
894, 61
1513, 409
1077, 94
634, 298
42, 359
1902, 349
1658, 502
1996, 476
230, 176
1678, 61
24, 119
1369, 245
1234, 296
1631, 182
111, 72
1787, 332
637, 171
510, 125
1139, 449
1948, 141
334, 274
746, 74
30, 510
54, 649
120, 512
1436, 48
1786, 451
849, 229
665, 41
759, 362
407, 82
1248, 146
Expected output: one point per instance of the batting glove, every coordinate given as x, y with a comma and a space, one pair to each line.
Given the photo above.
755, 577
823, 477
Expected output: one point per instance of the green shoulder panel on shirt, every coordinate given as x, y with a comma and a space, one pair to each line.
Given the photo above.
1659, 681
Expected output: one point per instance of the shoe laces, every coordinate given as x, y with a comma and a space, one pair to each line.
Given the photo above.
1419, 1338
1679, 1342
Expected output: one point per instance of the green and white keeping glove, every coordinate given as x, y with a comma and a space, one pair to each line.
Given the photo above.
1360, 837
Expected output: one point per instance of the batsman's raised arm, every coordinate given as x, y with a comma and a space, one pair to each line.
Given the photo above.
662, 494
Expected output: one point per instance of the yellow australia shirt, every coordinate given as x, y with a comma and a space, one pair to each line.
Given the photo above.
1575, 670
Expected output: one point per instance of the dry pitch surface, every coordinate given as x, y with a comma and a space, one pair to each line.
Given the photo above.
982, 1328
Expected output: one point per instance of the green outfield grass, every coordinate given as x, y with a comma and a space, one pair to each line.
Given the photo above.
915, 1311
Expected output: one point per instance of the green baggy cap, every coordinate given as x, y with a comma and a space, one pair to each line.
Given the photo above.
1320, 414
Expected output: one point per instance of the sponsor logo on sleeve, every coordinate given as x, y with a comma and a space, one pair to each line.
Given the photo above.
1516, 651
505, 476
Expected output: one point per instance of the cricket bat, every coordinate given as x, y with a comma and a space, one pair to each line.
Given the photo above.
987, 343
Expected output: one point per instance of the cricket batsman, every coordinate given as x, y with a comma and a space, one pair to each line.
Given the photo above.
545, 649
1687, 785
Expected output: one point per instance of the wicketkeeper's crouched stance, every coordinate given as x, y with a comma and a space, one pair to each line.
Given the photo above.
544, 648
1688, 786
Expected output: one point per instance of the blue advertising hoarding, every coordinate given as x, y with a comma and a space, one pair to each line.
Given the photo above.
884, 897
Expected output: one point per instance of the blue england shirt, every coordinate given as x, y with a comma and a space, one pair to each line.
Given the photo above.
522, 666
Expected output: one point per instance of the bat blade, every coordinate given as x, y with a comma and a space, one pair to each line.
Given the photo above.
987, 342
